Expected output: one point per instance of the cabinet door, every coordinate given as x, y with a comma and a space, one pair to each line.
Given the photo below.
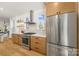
16, 39
52, 8
19, 41
67, 7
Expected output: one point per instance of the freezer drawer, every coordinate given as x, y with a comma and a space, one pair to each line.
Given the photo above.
56, 50
51, 50
72, 52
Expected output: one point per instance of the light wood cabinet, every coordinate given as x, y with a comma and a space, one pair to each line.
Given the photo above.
67, 7
53, 8
38, 44
17, 39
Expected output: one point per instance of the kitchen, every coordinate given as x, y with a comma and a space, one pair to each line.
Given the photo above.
34, 28
26, 22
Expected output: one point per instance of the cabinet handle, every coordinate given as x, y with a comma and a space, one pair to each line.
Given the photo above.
36, 47
37, 38
57, 12
36, 42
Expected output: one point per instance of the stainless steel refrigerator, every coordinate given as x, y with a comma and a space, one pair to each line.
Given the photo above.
61, 33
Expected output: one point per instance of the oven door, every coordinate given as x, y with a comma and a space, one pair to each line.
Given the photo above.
25, 41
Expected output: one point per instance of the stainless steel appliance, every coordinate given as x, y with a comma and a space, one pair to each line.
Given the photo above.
26, 40
31, 18
62, 34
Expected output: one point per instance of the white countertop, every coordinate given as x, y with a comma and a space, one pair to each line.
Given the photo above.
3, 34
39, 35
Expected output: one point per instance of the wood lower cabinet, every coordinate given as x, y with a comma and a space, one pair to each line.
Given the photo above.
38, 44
17, 39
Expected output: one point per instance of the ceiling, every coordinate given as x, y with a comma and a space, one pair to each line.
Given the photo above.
11, 9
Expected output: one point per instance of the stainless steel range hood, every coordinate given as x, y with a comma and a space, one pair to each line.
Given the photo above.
31, 18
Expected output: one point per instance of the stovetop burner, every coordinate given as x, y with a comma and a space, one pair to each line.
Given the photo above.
29, 33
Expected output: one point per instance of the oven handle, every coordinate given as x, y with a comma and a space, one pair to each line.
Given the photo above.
24, 37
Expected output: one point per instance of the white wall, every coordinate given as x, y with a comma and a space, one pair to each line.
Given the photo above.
15, 24
23, 17
36, 17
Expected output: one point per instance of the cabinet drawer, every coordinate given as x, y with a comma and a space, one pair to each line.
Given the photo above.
40, 40
41, 45
38, 49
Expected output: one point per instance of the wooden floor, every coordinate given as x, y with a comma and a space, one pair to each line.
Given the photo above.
7, 48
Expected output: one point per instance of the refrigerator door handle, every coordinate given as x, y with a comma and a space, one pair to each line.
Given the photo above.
58, 30
48, 30
61, 26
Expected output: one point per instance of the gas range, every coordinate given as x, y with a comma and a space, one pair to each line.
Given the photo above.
26, 40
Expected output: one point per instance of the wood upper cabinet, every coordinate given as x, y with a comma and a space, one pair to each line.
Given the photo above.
17, 39
67, 7
53, 8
